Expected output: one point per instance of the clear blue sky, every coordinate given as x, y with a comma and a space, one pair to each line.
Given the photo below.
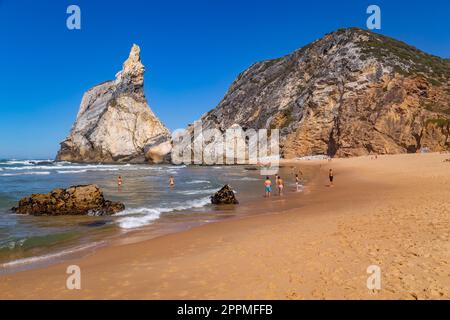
192, 50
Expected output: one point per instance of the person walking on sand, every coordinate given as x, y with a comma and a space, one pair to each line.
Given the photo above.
171, 182
331, 177
297, 182
267, 187
280, 186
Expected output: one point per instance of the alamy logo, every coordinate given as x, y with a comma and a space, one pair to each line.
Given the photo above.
234, 146
374, 20
374, 280
73, 282
73, 21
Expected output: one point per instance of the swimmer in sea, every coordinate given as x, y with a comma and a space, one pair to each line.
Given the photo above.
268, 187
171, 182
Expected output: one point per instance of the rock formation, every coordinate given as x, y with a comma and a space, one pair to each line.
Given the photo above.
115, 123
77, 200
224, 196
351, 93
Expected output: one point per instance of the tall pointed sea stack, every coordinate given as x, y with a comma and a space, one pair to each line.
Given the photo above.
115, 123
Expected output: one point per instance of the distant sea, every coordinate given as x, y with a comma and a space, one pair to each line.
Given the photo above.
150, 204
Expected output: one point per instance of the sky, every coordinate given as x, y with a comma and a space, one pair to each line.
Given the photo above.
192, 50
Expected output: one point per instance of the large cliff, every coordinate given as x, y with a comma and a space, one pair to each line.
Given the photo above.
350, 93
115, 123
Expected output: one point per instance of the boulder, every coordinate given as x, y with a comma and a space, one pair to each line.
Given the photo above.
158, 150
224, 196
76, 200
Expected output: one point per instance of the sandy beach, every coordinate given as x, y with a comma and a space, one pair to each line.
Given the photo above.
393, 212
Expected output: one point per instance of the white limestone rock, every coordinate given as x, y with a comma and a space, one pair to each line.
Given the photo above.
115, 123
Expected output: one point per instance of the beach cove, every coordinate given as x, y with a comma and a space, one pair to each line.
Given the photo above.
393, 212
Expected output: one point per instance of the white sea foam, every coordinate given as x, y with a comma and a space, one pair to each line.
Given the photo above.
177, 167
197, 182
49, 256
86, 167
245, 179
72, 171
24, 173
146, 217
67, 167
24, 162
140, 217
204, 191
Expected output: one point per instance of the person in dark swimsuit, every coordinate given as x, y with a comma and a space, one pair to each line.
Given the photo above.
331, 176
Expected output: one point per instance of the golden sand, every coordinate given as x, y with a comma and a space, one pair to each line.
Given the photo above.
393, 212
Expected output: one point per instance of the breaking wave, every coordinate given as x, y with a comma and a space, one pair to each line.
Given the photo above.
25, 173
139, 217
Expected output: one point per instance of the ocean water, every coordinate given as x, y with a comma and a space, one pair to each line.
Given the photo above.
150, 203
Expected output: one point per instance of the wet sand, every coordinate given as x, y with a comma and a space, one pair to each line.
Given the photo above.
393, 212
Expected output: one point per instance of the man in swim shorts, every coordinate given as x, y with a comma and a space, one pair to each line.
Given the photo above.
268, 187
331, 177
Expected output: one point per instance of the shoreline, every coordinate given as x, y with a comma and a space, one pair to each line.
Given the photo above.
377, 213
148, 232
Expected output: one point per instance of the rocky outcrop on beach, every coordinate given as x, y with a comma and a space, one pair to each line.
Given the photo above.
350, 93
224, 196
115, 122
76, 200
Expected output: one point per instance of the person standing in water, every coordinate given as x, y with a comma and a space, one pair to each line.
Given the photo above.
119, 181
277, 177
331, 177
280, 186
171, 182
267, 187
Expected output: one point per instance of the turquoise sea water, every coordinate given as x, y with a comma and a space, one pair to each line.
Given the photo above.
149, 202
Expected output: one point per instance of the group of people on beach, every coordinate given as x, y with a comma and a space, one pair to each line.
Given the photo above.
279, 182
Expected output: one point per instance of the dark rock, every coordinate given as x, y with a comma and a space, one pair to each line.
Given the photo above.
76, 200
224, 196
94, 224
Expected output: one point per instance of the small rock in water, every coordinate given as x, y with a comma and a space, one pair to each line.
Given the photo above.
76, 200
224, 196
93, 224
